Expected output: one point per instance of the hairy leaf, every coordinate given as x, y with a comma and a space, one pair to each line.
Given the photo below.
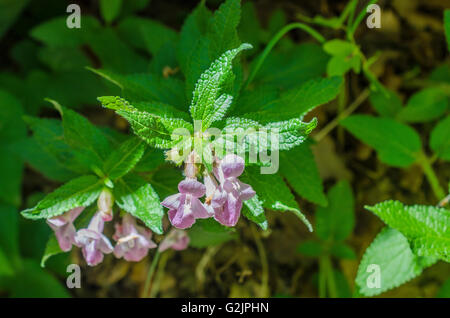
123, 159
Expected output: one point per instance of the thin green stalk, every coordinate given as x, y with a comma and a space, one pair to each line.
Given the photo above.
275, 40
264, 263
342, 101
150, 274
425, 163
160, 273
330, 277
322, 279
354, 26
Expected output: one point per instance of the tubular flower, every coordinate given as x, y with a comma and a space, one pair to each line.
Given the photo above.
92, 241
133, 241
105, 203
176, 239
185, 207
231, 167
64, 229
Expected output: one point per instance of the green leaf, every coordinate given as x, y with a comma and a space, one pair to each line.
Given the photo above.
426, 105
310, 248
33, 281
146, 34
397, 263
223, 28
81, 191
208, 232
291, 68
165, 180
110, 9
342, 250
12, 127
444, 291
157, 131
440, 139
208, 88
345, 56
387, 103
426, 227
335, 222
273, 192
299, 168
6, 269
299, 101
83, 136
9, 11
254, 211
11, 170
192, 50
134, 195
337, 47
55, 32
124, 158
397, 144
152, 159
9, 233
249, 29
447, 26
148, 88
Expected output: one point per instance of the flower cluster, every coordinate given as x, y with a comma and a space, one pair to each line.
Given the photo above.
132, 240
224, 192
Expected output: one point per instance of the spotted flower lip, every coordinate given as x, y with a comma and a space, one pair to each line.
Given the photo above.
92, 241
133, 241
231, 167
64, 229
176, 239
185, 207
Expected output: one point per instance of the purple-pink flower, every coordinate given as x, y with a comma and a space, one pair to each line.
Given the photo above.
231, 167
176, 239
133, 241
64, 229
105, 203
185, 207
92, 241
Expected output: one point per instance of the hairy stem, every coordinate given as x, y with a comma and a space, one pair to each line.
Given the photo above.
275, 40
150, 274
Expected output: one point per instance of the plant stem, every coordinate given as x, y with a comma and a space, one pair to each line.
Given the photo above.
330, 277
264, 264
275, 40
347, 112
322, 279
160, 273
425, 163
150, 274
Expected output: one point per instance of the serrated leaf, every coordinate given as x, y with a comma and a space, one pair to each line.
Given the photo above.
254, 211
423, 106
223, 28
440, 139
299, 101
390, 251
208, 88
335, 222
78, 192
208, 232
426, 227
136, 196
299, 168
273, 192
156, 130
83, 136
123, 159
387, 103
397, 144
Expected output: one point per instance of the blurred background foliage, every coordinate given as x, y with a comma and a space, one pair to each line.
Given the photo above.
40, 59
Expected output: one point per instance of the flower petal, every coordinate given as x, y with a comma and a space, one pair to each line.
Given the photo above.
193, 187
172, 202
232, 166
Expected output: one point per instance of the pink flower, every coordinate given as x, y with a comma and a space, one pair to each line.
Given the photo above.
176, 239
185, 207
92, 241
105, 203
231, 167
133, 241
64, 229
